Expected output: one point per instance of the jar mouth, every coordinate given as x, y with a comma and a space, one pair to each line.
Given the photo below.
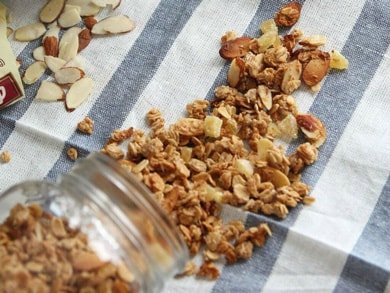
135, 212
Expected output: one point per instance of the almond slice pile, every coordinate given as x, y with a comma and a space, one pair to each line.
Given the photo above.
60, 55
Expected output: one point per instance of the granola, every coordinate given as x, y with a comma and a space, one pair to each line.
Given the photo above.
225, 151
42, 253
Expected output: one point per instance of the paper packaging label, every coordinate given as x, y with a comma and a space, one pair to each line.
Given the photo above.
9, 90
11, 86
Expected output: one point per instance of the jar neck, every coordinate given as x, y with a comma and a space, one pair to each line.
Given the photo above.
126, 213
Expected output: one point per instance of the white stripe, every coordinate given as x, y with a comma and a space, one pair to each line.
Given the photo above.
34, 154
346, 194
192, 63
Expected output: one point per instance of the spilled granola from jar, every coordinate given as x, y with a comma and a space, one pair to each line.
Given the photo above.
228, 151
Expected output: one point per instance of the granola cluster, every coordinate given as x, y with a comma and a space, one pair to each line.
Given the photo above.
224, 151
41, 253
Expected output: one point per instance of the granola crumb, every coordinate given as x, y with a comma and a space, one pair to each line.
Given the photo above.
72, 154
5, 157
86, 126
209, 271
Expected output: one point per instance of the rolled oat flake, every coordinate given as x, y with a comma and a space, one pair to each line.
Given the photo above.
11, 87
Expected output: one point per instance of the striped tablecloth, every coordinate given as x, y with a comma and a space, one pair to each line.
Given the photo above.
342, 242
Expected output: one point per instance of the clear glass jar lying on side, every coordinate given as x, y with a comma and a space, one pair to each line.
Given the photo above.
123, 223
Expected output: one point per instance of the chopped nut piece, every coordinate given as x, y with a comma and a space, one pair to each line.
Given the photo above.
86, 126
5, 157
72, 154
313, 129
235, 48
288, 15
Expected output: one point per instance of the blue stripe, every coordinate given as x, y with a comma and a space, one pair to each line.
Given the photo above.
334, 105
10, 115
131, 78
367, 269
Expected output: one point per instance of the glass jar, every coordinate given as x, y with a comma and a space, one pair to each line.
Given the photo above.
123, 222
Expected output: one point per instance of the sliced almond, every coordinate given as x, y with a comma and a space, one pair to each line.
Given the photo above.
113, 25
70, 16
84, 39
313, 41
69, 44
68, 75
265, 96
78, 93
50, 92
34, 72
39, 54
236, 72
51, 46
77, 61
70, 35
54, 63
105, 3
51, 11
277, 178
30, 32
87, 7
238, 47
263, 145
52, 31
10, 31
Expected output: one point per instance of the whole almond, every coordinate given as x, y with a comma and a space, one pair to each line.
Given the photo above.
235, 48
89, 22
288, 15
84, 39
51, 47
316, 70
